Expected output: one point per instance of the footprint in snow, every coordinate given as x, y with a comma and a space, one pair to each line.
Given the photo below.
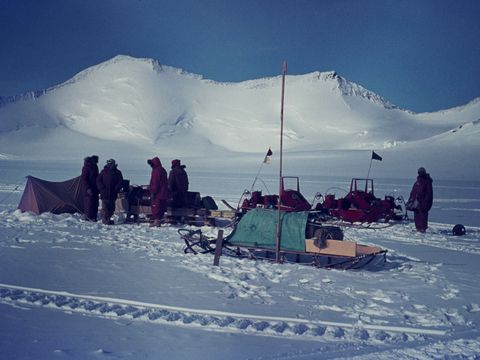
450, 293
102, 352
472, 308
336, 332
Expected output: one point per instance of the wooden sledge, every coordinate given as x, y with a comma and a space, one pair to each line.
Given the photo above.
341, 254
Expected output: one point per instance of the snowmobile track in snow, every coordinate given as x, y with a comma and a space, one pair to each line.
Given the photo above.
120, 309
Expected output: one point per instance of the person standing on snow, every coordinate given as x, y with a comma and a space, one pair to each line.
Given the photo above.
158, 190
109, 183
421, 199
90, 190
178, 184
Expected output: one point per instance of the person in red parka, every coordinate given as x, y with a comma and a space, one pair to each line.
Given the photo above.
178, 184
109, 183
421, 199
158, 190
89, 187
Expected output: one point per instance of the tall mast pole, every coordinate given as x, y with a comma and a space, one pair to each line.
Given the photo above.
278, 235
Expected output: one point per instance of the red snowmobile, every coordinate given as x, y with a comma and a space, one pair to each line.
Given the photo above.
361, 205
291, 199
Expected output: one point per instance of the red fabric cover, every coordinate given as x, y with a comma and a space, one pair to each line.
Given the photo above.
56, 197
329, 202
294, 200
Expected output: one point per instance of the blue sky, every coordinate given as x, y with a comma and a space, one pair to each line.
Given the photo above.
420, 55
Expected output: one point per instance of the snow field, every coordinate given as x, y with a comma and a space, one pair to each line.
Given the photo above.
131, 279
260, 282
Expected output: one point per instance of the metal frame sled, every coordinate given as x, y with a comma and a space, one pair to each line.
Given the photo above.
291, 199
361, 205
254, 237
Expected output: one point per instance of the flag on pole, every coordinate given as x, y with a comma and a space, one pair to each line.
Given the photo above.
267, 157
375, 156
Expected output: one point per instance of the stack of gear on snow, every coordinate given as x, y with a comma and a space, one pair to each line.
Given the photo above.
135, 203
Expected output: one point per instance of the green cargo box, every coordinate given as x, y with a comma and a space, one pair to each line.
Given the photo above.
258, 229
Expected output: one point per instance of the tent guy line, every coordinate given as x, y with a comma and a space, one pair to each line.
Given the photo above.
15, 292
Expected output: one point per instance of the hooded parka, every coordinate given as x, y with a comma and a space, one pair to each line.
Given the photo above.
89, 187
158, 188
109, 183
422, 196
178, 184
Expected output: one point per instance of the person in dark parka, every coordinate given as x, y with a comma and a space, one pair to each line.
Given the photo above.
90, 190
158, 190
421, 199
109, 183
178, 184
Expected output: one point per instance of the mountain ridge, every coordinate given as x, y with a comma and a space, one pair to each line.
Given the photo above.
139, 106
347, 87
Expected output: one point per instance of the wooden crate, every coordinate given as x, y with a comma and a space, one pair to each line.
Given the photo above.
333, 248
225, 214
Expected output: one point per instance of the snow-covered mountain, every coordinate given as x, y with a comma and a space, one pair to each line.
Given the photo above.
136, 107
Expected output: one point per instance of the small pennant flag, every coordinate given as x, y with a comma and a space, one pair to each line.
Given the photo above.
267, 157
375, 156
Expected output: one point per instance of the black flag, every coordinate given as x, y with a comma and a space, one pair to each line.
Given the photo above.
267, 157
375, 156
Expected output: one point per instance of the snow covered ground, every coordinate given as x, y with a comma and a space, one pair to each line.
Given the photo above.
77, 290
